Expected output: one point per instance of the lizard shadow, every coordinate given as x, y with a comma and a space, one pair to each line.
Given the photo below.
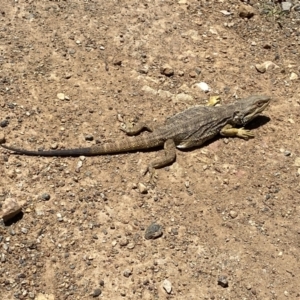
258, 122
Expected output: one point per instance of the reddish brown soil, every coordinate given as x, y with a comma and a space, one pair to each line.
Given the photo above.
229, 210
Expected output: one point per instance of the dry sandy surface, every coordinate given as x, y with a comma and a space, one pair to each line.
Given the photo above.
229, 210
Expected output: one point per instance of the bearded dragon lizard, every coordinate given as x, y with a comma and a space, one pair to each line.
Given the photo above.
187, 129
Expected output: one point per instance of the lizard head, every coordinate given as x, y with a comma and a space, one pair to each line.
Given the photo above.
249, 108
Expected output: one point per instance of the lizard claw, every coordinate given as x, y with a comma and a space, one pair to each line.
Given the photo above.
245, 133
153, 175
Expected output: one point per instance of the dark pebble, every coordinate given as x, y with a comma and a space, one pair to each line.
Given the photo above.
46, 197
96, 293
222, 281
153, 231
4, 123
89, 137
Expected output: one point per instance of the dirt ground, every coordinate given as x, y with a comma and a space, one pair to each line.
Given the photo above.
229, 211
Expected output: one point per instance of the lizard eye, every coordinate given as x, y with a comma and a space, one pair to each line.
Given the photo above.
260, 103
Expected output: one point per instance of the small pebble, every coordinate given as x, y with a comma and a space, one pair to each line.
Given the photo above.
123, 241
131, 246
54, 146
225, 12
79, 165
286, 6
297, 162
267, 46
287, 153
61, 96
89, 137
45, 196
59, 217
2, 258
4, 123
24, 230
246, 11
193, 74
96, 293
167, 286
142, 188
2, 138
144, 69
127, 273
10, 208
203, 86
294, 76
182, 97
222, 281
167, 70
153, 231
233, 214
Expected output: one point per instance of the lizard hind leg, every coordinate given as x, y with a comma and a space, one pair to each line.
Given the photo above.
168, 157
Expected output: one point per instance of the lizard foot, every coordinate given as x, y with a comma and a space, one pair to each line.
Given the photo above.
152, 173
127, 127
244, 133
213, 100
132, 128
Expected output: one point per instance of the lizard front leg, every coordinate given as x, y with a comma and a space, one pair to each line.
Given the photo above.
213, 101
168, 157
229, 131
130, 129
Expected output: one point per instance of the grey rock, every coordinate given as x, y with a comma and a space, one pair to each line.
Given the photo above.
223, 281
153, 231
96, 293
127, 273
4, 123
286, 6
45, 196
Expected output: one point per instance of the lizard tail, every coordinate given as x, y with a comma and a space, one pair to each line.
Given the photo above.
64, 152
99, 149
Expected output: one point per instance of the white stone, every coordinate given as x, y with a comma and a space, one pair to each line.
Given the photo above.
203, 86
294, 76
61, 96
167, 286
